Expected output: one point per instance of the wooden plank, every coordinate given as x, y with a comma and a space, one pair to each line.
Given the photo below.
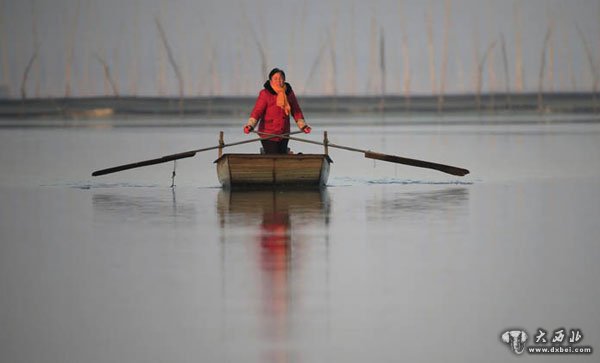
298, 170
251, 170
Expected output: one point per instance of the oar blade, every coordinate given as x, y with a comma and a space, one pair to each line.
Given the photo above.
453, 170
140, 164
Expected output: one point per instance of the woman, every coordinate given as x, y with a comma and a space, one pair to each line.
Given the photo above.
272, 112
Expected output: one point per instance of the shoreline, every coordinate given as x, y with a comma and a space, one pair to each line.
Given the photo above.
131, 106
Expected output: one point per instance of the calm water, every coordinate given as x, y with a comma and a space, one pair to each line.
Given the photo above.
388, 263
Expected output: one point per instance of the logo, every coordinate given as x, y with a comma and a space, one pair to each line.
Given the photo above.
516, 339
560, 341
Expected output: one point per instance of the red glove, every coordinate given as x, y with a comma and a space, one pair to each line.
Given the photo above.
306, 129
248, 129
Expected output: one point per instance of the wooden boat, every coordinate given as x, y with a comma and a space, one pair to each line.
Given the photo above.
278, 170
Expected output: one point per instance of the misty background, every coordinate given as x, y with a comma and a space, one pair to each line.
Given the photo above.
74, 48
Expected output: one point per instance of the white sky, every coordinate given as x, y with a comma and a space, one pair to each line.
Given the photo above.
325, 46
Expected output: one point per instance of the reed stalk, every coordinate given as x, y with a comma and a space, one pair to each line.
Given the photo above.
382, 61
519, 74
262, 53
36, 46
315, 63
540, 97
447, 24
550, 55
332, 74
593, 68
134, 60
491, 68
430, 48
161, 74
480, 73
508, 102
236, 82
71, 52
405, 59
291, 46
107, 75
352, 69
212, 68
172, 61
301, 39
371, 87
460, 71
4, 51
26, 73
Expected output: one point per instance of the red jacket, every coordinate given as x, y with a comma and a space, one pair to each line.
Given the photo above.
272, 118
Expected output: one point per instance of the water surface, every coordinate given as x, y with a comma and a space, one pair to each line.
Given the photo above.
387, 263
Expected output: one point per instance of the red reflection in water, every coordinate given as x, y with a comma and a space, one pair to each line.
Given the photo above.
275, 263
276, 254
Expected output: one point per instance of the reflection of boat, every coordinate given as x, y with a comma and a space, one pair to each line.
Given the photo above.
281, 215
310, 203
254, 170
272, 223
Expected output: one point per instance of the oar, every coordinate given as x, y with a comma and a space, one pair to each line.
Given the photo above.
453, 170
183, 155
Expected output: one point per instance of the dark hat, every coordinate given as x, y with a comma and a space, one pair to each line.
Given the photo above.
276, 70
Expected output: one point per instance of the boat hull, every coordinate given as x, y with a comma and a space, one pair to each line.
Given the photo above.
279, 170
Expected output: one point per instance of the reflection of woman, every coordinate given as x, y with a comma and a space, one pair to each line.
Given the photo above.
275, 240
272, 112
275, 259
